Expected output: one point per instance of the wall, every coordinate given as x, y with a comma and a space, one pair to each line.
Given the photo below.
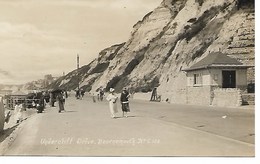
216, 77
227, 97
2, 114
142, 96
206, 80
241, 78
198, 95
173, 88
179, 97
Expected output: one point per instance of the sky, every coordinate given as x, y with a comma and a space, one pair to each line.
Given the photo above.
39, 37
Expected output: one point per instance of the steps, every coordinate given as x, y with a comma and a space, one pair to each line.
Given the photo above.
248, 99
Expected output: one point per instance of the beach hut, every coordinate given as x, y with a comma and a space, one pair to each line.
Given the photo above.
217, 79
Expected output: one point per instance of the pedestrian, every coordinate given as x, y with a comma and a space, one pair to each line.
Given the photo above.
52, 101
40, 105
63, 96
98, 98
46, 97
154, 94
61, 102
93, 97
18, 112
66, 94
112, 98
125, 102
82, 93
78, 96
101, 93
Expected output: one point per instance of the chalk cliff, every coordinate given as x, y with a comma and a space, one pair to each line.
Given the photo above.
173, 36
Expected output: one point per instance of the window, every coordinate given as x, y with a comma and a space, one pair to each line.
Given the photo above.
197, 79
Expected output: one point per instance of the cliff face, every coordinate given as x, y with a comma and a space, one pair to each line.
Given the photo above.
173, 36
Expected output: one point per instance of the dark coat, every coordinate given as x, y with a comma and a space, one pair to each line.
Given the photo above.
124, 96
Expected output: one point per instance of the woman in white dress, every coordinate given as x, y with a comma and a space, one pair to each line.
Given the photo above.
112, 98
18, 110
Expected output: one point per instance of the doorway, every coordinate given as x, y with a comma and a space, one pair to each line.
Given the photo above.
229, 79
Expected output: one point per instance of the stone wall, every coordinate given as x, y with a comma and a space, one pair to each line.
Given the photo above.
142, 96
179, 97
198, 95
2, 114
227, 97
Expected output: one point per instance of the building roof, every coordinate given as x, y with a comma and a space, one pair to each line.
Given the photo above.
216, 60
18, 93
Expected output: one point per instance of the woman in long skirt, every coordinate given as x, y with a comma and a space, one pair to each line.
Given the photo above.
125, 102
112, 98
52, 101
61, 102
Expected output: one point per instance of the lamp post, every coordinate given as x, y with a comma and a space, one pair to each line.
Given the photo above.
63, 80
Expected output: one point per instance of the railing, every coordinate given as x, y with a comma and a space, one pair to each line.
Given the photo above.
10, 102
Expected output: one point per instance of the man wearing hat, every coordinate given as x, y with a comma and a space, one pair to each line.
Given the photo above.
125, 102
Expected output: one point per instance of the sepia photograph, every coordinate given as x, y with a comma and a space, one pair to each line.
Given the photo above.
127, 78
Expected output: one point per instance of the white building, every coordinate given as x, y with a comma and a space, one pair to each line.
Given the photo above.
216, 80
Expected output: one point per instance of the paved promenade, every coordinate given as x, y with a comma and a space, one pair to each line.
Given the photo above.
152, 129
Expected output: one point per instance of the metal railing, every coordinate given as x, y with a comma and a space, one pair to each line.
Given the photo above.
11, 102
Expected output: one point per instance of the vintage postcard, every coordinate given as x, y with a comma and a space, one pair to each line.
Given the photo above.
127, 78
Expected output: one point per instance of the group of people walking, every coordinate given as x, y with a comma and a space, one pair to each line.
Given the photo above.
58, 96
112, 98
79, 94
124, 99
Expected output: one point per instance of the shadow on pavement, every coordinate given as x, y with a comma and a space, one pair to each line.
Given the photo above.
132, 116
4, 134
125, 117
70, 111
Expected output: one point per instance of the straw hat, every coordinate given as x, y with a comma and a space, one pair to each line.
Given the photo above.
111, 90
